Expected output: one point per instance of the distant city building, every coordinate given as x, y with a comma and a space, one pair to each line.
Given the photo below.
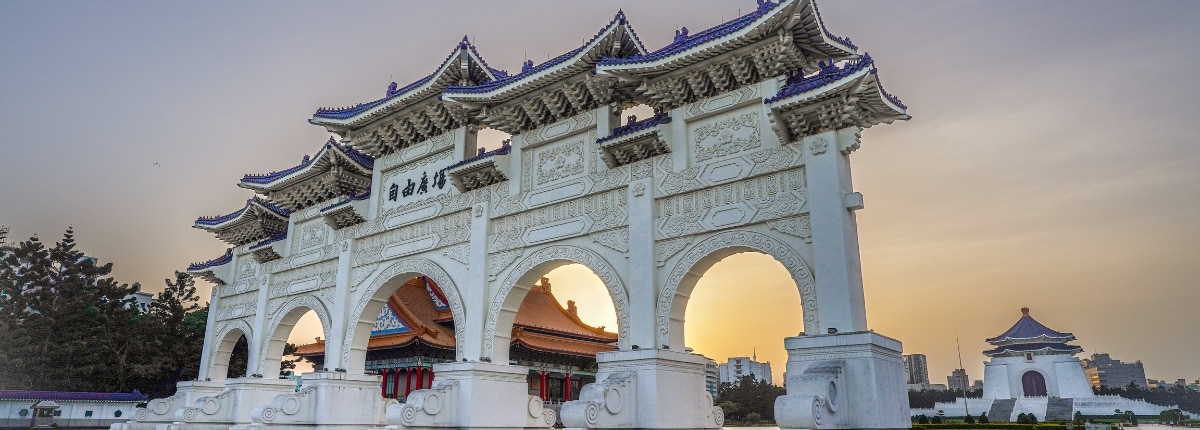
1033, 370
916, 370
958, 380
141, 301
737, 367
1104, 371
712, 376
977, 385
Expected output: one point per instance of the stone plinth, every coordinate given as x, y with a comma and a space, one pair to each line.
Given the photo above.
327, 399
474, 395
651, 388
843, 381
162, 411
233, 405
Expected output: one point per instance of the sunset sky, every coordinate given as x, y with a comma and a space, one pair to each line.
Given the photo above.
1050, 161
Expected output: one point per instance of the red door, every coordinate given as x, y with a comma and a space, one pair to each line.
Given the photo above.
1034, 384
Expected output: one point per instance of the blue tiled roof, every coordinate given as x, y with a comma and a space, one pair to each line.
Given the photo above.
217, 220
1030, 347
394, 92
277, 237
829, 73
1028, 328
529, 69
636, 126
895, 100
79, 396
683, 41
358, 197
362, 159
842, 40
224, 259
502, 150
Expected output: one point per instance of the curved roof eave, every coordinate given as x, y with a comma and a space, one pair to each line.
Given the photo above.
421, 91
276, 180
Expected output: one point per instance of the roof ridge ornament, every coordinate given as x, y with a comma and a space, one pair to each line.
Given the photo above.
681, 35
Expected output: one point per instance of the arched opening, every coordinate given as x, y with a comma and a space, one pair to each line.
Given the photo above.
231, 357
282, 327
563, 321
528, 325
408, 319
307, 333
738, 314
1033, 384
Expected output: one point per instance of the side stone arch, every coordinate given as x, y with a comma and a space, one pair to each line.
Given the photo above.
416, 267
523, 273
273, 343
227, 336
672, 300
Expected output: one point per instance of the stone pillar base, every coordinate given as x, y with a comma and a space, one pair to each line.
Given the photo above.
844, 381
162, 411
649, 389
473, 395
326, 399
232, 406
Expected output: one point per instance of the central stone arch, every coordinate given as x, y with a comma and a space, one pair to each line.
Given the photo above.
415, 267
226, 338
672, 300
271, 352
545, 259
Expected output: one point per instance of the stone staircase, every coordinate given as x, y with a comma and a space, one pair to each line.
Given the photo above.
1001, 410
1059, 409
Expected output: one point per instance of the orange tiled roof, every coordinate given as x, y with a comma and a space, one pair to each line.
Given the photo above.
553, 329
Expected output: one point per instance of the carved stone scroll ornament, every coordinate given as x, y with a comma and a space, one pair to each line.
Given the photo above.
574, 254
745, 240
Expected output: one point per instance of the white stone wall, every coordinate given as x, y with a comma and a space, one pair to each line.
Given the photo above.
74, 413
1064, 376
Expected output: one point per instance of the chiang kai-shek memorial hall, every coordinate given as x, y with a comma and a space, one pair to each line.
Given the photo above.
748, 149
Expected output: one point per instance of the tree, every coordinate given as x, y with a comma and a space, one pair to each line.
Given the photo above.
70, 325
752, 396
937, 419
922, 419
178, 340
983, 419
969, 419
1022, 418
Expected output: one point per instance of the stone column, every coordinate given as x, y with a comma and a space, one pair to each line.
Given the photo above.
831, 199
206, 356
642, 267
339, 310
842, 376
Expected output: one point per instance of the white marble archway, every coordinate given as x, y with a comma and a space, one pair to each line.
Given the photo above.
226, 338
371, 300
672, 299
504, 305
271, 352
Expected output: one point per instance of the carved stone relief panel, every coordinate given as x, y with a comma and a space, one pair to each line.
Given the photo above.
307, 278
726, 135
237, 306
435, 233
559, 161
719, 103
312, 235
560, 129
761, 162
596, 212
756, 199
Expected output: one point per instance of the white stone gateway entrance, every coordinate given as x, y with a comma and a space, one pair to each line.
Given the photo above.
748, 151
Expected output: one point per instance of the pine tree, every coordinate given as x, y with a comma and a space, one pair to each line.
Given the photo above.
177, 343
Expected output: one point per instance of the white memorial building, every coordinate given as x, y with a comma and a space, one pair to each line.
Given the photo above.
748, 150
1033, 370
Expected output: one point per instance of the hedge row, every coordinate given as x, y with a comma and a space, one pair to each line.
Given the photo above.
993, 426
